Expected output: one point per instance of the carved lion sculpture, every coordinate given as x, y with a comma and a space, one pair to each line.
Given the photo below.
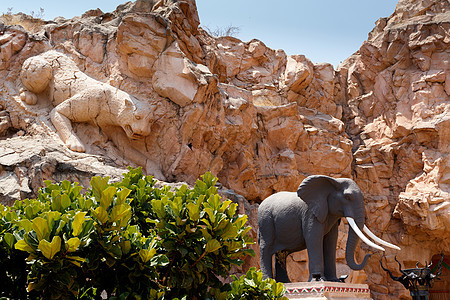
79, 98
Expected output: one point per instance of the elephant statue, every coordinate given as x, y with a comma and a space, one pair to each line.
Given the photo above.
309, 219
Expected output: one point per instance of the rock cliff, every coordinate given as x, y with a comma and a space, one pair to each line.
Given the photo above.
398, 117
260, 120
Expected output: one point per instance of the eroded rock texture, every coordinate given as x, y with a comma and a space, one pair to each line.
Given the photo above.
258, 119
398, 116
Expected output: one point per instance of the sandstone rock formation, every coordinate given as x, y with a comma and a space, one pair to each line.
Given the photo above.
398, 116
26, 161
258, 119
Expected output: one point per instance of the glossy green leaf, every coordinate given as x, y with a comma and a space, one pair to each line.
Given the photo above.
258, 276
26, 224
22, 245
65, 184
9, 239
98, 185
56, 200
230, 233
233, 245
211, 215
29, 212
61, 225
76, 263
133, 229
100, 214
121, 214
10, 216
36, 207
158, 208
222, 222
77, 258
122, 196
107, 196
212, 245
77, 224
209, 179
56, 203
30, 238
85, 204
51, 217
225, 205
200, 200
40, 226
277, 288
146, 255
88, 227
72, 244
50, 249
76, 191
245, 230
249, 282
177, 205
125, 246
240, 221
65, 202
194, 211
231, 211
214, 201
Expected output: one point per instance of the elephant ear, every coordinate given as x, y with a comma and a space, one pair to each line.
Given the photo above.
314, 190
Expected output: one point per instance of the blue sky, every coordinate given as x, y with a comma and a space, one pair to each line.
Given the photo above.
324, 31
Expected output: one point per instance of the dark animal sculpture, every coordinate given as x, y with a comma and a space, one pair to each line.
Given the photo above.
309, 219
417, 280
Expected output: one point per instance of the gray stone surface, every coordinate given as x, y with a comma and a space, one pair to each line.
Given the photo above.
26, 161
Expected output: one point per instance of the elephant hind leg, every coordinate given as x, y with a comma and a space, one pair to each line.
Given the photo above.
266, 238
266, 261
281, 267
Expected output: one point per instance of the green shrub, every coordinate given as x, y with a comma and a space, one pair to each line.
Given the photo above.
78, 244
128, 239
252, 286
13, 275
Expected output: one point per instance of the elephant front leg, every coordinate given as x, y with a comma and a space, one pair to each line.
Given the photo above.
329, 253
314, 246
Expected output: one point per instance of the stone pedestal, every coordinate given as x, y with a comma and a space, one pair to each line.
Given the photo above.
326, 290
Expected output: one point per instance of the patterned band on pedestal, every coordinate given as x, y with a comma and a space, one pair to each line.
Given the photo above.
322, 289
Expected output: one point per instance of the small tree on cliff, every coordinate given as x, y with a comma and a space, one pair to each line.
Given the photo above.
229, 30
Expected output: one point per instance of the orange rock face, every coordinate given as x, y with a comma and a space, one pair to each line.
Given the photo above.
258, 119
398, 116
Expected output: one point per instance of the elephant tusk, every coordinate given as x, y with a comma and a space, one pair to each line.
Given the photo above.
355, 228
377, 239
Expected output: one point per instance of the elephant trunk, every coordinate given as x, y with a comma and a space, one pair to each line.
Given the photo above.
352, 241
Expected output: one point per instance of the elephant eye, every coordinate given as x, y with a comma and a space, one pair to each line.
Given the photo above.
138, 117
